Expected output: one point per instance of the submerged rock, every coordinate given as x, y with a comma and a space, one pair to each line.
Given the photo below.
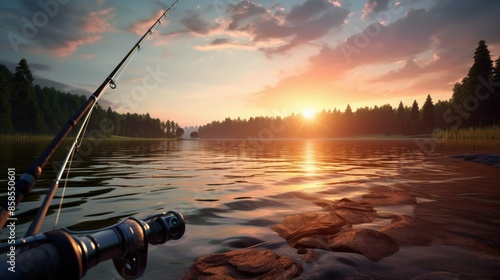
385, 196
348, 210
311, 256
370, 243
332, 233
317, 225
247, 263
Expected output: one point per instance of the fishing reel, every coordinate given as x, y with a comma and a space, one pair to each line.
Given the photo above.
65, 254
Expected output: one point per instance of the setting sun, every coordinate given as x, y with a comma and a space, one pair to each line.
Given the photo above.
308, 113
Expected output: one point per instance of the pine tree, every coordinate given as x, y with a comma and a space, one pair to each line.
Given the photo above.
26, 115
400, 112
495, 113
428, 114
348, 110
415, 111
5, 107
496, 71
465, 94
483, 65
401, 118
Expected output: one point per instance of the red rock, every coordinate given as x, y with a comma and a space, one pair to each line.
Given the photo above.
246, 263
311, 256
323, 231
350, 211
382, 196
370, 243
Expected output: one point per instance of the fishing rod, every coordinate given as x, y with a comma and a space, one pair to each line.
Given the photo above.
30, 176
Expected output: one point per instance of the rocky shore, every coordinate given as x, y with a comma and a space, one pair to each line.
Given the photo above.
463, 215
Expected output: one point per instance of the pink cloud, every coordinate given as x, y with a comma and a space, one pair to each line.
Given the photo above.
72, 46
98, 21
143, 25
94, 24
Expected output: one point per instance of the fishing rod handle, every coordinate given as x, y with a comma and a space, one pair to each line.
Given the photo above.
69, 255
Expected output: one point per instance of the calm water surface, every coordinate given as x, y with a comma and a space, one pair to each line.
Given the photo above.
231, 192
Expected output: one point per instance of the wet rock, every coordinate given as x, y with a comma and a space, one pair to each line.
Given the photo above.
370, 243
385, 196
248, 263
352, 212
311, 256
323, 231
299, 226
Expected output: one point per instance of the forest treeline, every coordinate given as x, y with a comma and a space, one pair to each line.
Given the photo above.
475, 102
26, 108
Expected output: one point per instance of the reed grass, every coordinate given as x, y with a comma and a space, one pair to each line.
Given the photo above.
25, 136
471, 137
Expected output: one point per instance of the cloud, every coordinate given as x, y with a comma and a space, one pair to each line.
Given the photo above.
374, 6
449, 31
271, 30
141, 26
198, 25
224, 43
65, 29
97, 21
410, 70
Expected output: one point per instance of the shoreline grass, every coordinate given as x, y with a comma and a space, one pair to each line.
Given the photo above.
471, 137
26, 137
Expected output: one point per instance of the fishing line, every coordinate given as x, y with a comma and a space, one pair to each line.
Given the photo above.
76, 145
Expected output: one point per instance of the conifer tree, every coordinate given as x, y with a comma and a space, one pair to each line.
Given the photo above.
495, 111
465, 95
348, 110
428, 114
415, 111
5, 107
26, 115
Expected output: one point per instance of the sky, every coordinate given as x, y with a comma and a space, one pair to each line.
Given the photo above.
210, 60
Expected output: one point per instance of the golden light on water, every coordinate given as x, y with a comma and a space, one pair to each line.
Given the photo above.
310, 159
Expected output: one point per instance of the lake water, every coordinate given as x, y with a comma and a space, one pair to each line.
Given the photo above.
231, 192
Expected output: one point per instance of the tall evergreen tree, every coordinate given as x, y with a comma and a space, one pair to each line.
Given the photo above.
428, 114
401, 118
465, 93
400, 112
26, 115
5, 107
496, 97
348, 110
415, 111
